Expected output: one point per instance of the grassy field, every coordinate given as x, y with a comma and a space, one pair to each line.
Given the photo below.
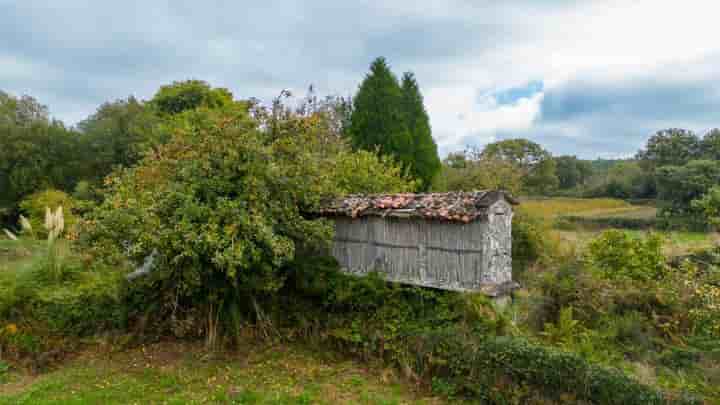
677, 242
553, 207
174, 373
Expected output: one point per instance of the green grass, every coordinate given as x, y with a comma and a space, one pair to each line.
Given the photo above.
677, 242
173, 373
552, 207
635, 211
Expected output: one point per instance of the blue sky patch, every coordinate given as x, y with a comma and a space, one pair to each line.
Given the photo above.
513, 94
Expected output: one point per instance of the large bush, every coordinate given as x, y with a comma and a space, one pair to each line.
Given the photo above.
224, 207
617, 254
35, 205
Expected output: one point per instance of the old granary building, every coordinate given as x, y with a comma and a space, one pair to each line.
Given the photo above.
456, 241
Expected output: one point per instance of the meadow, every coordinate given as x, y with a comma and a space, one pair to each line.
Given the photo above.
183, 373
578, 220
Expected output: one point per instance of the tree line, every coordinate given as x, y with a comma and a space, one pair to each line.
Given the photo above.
386, 116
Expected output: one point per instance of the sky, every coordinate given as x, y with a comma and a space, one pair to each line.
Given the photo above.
588, 78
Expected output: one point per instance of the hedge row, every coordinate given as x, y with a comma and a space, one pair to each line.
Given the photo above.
555, 374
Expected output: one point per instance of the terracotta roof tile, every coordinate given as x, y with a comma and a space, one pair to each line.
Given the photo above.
453, 206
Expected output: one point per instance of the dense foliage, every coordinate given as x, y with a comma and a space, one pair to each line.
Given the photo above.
572, 172
470, 170
38, 154
679, 186
225, 207
536, 165
189, 95
425, 161
391, 118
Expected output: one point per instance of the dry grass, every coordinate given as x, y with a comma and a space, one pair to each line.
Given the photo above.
553, 207
642, 212
677, 243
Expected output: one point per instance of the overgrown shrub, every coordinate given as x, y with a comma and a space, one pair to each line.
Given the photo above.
37, 313
458, 343
532, 242
36, 204
224, 206
617, 254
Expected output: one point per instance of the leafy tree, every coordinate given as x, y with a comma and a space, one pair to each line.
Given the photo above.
572, 172
710, 145
709, 206
535, 163
465, 171
674, 146
678, 186
378, 120
188, 95
226, 207
22, 111
117, 134
627, 179
36, 156
425, 161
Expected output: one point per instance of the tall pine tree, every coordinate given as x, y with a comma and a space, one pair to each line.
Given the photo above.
426, 162
377, 120
392, 118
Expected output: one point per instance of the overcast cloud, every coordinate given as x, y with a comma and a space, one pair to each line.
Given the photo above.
592, 78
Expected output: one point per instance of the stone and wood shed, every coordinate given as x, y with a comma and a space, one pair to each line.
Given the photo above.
455, 241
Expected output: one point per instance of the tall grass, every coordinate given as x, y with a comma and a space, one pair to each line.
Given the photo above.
54, 225
552, 207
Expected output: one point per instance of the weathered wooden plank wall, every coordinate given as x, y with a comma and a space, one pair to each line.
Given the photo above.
447, 255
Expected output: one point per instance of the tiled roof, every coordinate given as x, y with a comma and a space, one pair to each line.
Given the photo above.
453, 206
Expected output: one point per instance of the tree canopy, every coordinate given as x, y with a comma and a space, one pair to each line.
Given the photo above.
188, 95
391, 118
673, 146
572, 172
537, 166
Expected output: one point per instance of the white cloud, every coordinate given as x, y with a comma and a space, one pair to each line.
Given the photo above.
605, 41
75, 55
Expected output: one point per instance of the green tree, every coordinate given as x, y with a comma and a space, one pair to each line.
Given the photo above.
674, 146
710, 145
22, 111
378, 121
537, 166
627, 179
470, 170
117, 134
709, 206
425, 160
35, 155
188, 95
678, 186
572, 172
